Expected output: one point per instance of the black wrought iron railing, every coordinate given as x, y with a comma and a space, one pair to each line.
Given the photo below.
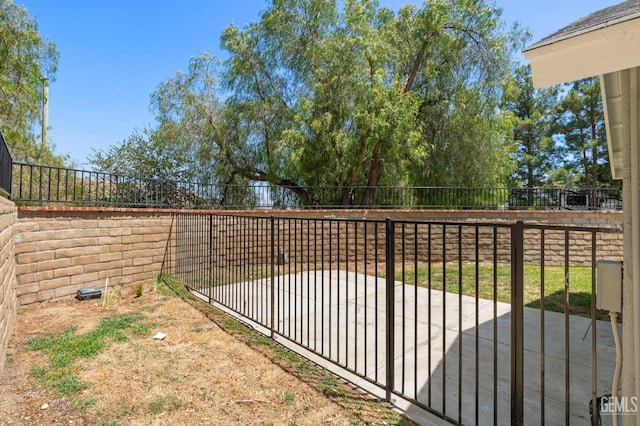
33, 184
472, 322
5, 166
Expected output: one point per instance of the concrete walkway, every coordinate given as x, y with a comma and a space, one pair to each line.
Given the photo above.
338, 319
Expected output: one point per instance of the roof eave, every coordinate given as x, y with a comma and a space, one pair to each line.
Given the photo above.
591, 53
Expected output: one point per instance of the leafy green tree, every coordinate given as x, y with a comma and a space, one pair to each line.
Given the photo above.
314, 99
143, 154
314, 94
534, 114
458, 54
26, 58
582, 132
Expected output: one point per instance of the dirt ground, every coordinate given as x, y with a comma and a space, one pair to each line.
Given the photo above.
207, 370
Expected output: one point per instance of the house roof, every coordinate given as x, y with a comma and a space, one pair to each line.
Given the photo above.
602, 42
603, 18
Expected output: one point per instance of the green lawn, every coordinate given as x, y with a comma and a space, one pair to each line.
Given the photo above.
554, 283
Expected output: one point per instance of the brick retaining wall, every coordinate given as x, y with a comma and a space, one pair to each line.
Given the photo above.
59, 250
7, 275
306, 246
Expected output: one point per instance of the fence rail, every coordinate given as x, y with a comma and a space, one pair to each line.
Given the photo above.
5, 166
54, 185
419, 310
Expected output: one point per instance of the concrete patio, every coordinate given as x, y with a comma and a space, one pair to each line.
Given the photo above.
337, 319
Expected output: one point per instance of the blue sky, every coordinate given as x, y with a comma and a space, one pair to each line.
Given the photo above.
113, 54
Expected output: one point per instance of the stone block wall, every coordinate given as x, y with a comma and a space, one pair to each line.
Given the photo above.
346, 239
7, 275
61, 250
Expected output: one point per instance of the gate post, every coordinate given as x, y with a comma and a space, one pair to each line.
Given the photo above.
390, 304
517, 326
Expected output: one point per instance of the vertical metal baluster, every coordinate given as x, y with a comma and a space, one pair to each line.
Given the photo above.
567, 362
294, 254
444, 319
346, 298
404, 314
355, 309
272, 296
330, 288
376, 264
542, 324
390, 306
429, 284
495, 326
308, 283
220, 260
460, 323
254, 284
288, 267
477, 323
234, 279
258, 275
21, 176
517, 327
315, 285
338, 252
594, 334
322, 321
300, 255
226, 271
415, 309
366, 307
246, 266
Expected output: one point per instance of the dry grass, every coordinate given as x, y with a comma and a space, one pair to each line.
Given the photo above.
208, 370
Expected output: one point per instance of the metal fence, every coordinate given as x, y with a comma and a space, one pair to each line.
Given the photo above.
5, 166
430, 312
54, 185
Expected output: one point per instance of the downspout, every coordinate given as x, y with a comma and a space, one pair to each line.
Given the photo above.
635, 224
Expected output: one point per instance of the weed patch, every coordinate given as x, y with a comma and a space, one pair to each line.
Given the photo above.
230, 324
331, 387
124, 410
288, 398
169, 285
260, 341
69, 386
65, 347
138, 290
394, 419
83, 404
165, 404
142, 328
284, 354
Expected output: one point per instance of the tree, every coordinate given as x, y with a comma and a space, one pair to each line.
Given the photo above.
317, 95
458, 54
315, 100
26, 59
143, 154
582, 132
534, 113
180, 146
